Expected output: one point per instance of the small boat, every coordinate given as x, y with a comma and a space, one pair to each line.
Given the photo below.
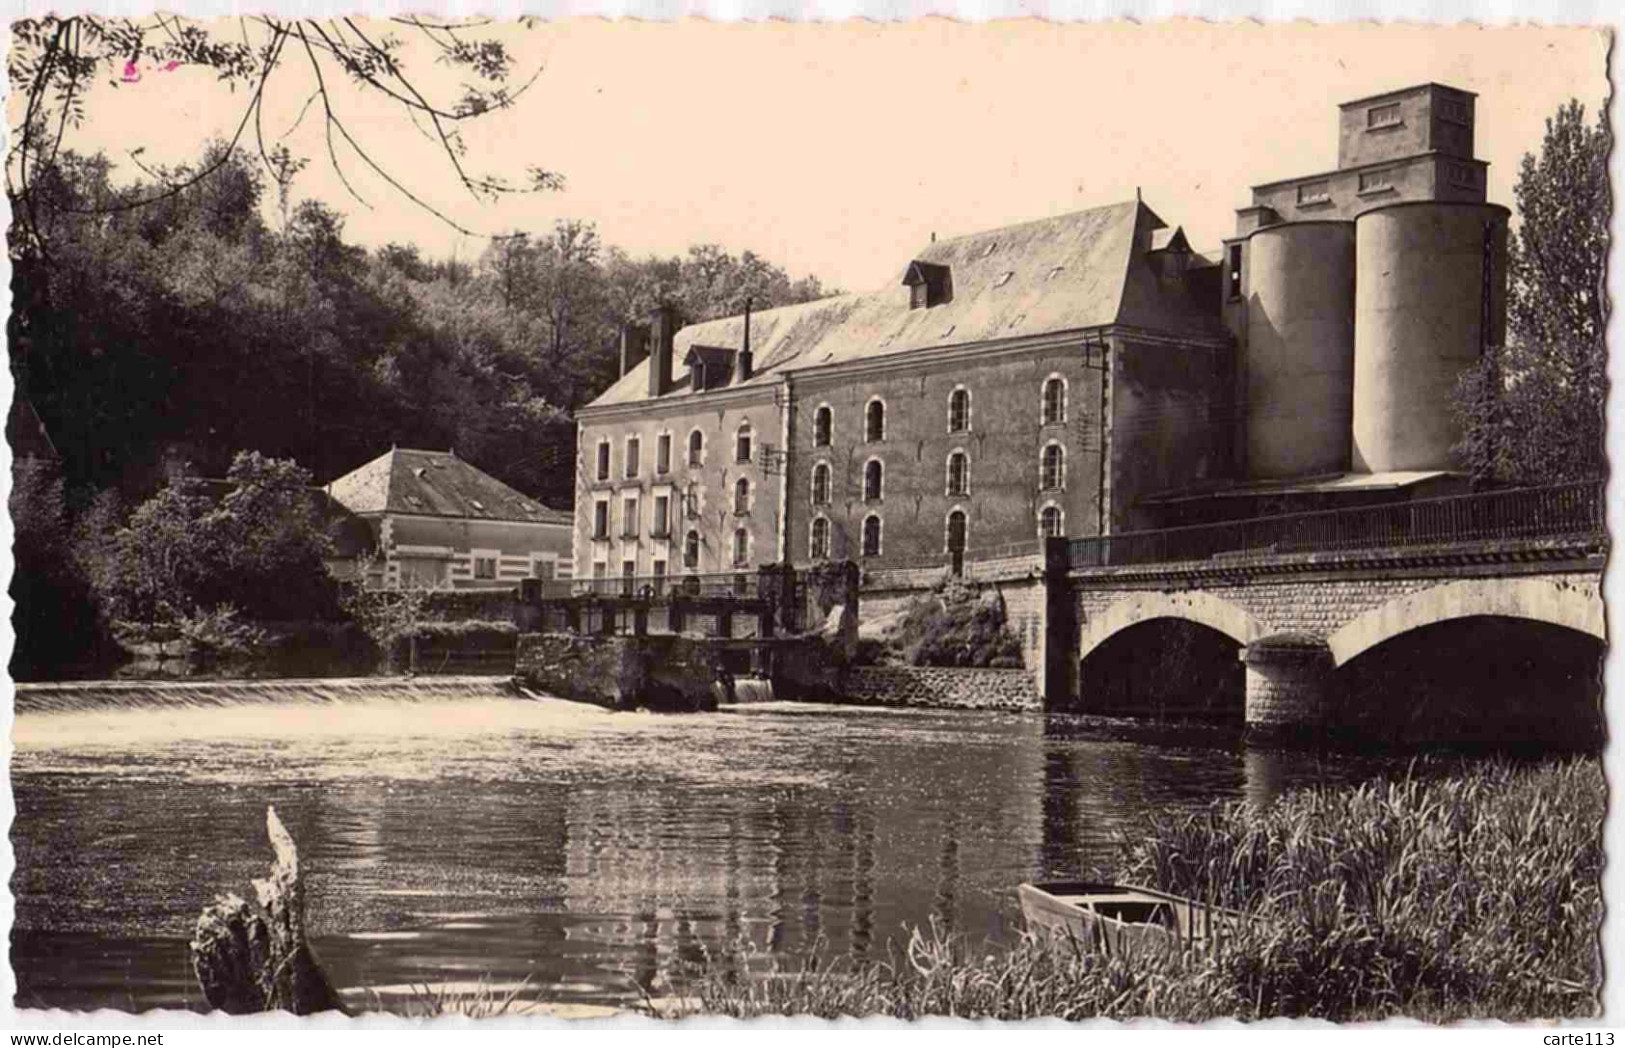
1111, 916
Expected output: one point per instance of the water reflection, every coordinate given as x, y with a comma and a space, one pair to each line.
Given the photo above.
591, 854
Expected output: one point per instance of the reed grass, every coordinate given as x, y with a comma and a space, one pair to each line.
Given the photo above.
480, 1001
1473, 894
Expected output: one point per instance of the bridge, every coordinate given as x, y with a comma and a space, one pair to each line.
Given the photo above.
1470, 618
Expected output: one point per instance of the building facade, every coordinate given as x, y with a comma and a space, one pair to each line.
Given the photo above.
1079, 375
437, 520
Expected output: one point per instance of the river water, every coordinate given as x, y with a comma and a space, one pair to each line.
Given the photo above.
579, 853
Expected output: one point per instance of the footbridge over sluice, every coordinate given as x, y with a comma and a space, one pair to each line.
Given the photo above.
1475, 618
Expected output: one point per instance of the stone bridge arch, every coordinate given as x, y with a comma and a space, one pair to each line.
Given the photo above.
1232, 620
1572, 602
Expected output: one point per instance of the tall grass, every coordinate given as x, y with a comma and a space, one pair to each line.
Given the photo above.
482, 1000
1473, 895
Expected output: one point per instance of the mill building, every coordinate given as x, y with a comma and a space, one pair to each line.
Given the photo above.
1084, 374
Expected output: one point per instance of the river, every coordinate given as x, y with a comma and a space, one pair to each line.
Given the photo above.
577, 853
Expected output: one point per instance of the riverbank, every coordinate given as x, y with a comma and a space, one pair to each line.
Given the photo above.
1476, 894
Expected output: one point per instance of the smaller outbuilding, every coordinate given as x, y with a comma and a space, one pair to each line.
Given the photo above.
438, 520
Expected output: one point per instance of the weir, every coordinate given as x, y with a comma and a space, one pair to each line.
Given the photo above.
76, 696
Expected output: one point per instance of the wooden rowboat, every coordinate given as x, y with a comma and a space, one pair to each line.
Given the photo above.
1114, 916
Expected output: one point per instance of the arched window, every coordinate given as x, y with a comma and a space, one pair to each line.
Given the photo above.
1054, 401
741, 496
1052, 471
823, 427
956, 531
958, 474
1049, 523
696, 447
959, 411
871, 536
691, 550
874, 422
820, 484
741, 547
742, 443
820, 539
872, 471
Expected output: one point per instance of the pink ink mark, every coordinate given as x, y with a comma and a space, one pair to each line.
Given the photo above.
131, 73
170, 67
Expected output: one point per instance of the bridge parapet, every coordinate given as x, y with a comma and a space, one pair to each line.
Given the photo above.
1298, 616
1556, 520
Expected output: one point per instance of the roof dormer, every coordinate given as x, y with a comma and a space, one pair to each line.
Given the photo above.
929, 284
711, 367
1170, 252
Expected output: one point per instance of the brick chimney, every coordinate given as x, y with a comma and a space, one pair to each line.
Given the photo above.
662, 334
634, 346
744, 363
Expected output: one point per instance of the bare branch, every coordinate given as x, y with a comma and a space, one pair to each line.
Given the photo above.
327, 108
205, 172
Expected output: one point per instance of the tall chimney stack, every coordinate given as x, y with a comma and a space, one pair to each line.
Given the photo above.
662, 334
744, 364
634, 346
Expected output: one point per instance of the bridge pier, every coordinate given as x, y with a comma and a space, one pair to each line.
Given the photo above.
1289, 677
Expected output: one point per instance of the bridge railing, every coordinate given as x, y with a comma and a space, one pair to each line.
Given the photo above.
1553, 512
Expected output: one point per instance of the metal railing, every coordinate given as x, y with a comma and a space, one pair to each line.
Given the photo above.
969, 557
733, 585
1574, 510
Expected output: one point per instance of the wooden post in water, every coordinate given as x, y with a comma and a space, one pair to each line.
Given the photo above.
251, 959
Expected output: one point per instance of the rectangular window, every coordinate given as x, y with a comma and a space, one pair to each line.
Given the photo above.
662, 523
1462, 175
1315, 192
600, 520
599, 569
663, 453
1235, 270
629, 518
543, 569
603, 460
634, 451
1375, 181
629, 571
485, 567
1384, 116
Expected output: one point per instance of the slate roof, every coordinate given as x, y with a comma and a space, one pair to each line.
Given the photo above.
1065, 273
436, 484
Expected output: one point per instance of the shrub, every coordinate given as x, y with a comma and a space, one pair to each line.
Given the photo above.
221, 631
183, 555
957, 625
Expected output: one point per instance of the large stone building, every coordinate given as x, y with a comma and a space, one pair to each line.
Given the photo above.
1079, 375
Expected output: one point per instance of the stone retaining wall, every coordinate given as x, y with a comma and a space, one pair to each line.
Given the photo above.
942, 687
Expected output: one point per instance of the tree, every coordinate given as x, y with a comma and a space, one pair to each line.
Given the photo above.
1532, 410
54, 623
55, 63
187, 556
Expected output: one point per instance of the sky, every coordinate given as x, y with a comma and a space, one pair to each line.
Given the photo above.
838, 149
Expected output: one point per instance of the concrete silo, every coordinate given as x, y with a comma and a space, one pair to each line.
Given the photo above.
1300, 348
1419, 309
